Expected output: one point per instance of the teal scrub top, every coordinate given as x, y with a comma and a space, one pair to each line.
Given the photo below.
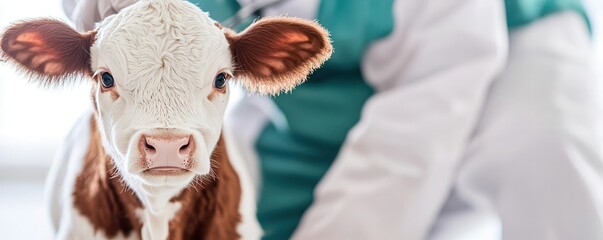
521, 12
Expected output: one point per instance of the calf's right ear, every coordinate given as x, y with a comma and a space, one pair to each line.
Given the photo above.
48, 49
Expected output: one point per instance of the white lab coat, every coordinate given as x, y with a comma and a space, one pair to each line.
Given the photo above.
533, 168
462, 141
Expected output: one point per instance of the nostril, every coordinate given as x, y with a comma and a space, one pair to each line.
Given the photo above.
186, 146
149, 147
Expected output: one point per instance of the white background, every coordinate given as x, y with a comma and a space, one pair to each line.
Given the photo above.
33, 122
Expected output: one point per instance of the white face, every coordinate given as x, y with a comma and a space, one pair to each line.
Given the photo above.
159, 91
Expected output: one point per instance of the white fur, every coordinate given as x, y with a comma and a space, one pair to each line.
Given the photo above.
164, 56
81, 228
156, 224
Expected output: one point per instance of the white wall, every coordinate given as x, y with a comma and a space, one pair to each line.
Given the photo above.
33, 120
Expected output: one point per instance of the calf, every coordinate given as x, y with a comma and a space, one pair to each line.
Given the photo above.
151, 161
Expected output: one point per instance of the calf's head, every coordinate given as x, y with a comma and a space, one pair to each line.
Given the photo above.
159, 71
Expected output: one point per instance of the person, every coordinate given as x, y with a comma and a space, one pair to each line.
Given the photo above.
473, 119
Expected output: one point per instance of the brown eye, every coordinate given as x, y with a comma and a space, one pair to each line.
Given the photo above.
107, 80
220, 81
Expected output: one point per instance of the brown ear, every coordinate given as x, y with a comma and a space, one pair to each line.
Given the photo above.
48, 49
277, 54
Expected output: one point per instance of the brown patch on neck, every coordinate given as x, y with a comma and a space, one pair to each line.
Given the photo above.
102, 197
210, 211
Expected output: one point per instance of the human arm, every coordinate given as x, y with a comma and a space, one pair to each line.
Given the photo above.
431, 77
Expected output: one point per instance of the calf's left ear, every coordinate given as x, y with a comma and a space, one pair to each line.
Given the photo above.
48, 49
277, 54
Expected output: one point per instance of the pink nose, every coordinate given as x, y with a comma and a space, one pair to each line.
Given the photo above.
167, 153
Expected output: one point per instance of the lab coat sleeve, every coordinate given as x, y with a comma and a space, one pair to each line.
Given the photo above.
396, 167
85, 13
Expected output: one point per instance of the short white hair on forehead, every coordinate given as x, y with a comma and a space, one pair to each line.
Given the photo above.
161, 39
